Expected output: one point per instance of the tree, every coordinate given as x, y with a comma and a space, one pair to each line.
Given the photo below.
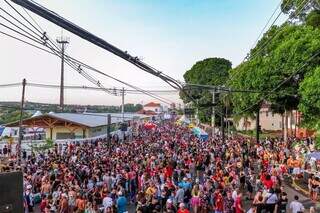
132, 107
41, 148
210, 71
12, 115
279, 68
310, 102
313, 18
299, 9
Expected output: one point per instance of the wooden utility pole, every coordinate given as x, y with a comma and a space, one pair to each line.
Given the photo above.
258, 127
108, 129
20, 121
122, 105
213, 114
63, 41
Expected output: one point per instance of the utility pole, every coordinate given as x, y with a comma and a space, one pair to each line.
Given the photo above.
222, 126
63, 41
20, 120
108, 129
213, 113
197, 113
258, 127
122, 106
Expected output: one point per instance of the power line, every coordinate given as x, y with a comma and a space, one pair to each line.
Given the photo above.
71, 27
266, 42
82, 72
265, 26
10, 85
280, 84
40, 85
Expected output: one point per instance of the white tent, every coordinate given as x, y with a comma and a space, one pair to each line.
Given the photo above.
184, 119
38, 113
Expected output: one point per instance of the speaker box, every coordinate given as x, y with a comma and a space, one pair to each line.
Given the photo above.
11, 192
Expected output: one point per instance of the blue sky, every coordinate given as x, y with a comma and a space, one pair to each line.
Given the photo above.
170, 35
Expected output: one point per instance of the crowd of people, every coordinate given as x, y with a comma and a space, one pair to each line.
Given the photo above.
166, 169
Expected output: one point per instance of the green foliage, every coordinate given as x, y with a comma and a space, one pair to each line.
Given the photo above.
49, 144
317, 142
132, 107
299, 9
210, 71
310, 102
11, 115
313, 18
281, 59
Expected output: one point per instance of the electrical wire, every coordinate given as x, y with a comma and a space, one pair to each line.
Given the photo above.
86, 75
265, 26
280, 84
264, 44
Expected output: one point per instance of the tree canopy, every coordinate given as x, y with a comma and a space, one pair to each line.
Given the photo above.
210, 71
279, 66
299, 9
310, 101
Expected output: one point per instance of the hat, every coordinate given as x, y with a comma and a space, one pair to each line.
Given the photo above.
181, 205
29, 187
169, 201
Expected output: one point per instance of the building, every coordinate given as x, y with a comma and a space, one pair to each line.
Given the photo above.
152, 106
270, 121
144, 112
59, 126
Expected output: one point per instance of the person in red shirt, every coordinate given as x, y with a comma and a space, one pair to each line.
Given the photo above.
268, 184
238, 204
43, 204
182, 209
218, 203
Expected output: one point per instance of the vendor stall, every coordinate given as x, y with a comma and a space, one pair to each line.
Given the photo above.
200, 133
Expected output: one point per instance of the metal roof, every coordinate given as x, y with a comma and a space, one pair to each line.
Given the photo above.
87, 119
95, 119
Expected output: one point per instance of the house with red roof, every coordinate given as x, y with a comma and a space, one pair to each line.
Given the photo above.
153, 107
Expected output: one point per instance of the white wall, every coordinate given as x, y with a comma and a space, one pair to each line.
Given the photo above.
268, 121
155, 109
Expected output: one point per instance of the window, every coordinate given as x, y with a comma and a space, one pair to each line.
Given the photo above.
280, 124
272, 114
267, 113
64, 135
156, 110
272, 124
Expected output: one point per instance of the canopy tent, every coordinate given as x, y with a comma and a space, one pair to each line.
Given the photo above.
183, 120
37, 113
150, 125
200, 133
315, 155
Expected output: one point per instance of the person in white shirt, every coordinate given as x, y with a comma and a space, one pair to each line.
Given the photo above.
107, 202
296, 206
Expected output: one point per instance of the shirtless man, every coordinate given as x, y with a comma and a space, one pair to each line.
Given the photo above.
46, 187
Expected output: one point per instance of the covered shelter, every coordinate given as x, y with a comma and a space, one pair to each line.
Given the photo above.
73, 125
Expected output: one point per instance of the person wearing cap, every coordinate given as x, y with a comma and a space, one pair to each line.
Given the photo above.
170, 206
121, 203
182, 208
28, 197
185, 184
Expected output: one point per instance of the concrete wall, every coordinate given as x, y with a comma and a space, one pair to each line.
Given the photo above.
155, 109
78, 132
268, 121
